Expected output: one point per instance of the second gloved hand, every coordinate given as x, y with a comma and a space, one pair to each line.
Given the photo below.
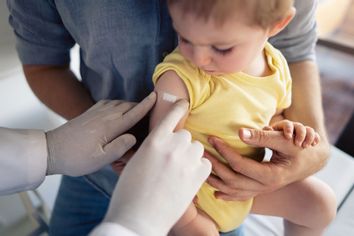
160, 180
95, 138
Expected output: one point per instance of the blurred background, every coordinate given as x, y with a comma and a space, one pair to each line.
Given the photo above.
335, 53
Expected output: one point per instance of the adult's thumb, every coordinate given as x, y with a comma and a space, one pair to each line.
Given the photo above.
274, 140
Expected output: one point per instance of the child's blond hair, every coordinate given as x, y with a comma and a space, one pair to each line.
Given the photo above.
264, 13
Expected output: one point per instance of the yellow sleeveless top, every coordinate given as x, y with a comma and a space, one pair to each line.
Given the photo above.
221, 105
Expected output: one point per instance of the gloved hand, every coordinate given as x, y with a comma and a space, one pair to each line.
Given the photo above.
160, 180
94, 139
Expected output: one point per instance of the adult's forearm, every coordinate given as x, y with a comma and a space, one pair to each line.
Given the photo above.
307, 100
58, 88
307, 108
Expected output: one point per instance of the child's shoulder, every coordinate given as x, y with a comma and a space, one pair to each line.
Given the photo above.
274, 53
176, 71
180, 66
176, 58
276, 59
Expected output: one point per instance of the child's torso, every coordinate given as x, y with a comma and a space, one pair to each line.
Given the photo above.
221, 105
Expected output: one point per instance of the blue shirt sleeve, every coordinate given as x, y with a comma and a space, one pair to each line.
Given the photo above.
298, 40
41, 37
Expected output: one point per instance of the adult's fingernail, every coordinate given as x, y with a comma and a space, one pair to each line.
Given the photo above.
246, 133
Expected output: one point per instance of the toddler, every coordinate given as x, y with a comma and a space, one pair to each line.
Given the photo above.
233, 78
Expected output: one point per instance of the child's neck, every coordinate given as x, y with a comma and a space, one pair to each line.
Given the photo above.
259, 66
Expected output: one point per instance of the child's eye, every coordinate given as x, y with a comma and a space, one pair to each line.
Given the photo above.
222, 51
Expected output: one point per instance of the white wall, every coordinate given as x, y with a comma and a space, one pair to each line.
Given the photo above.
7, 42
5, 31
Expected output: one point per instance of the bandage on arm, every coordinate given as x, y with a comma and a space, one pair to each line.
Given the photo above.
169, 88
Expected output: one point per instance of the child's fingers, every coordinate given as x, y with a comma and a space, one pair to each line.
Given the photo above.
317, 139
268, 128
289, 129
300, 133
286, 126
310, 137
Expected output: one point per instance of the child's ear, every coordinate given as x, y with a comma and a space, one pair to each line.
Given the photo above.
281, 24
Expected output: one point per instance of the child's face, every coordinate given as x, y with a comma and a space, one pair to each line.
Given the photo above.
233, 47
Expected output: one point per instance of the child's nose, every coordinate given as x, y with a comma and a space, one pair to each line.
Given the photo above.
201, 57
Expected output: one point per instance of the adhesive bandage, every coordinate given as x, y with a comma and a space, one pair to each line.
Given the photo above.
169, 97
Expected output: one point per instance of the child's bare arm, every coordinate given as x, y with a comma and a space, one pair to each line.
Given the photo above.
168, 86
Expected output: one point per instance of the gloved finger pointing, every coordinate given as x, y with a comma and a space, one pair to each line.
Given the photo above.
118, 123
118, 147
142, 108
137, 112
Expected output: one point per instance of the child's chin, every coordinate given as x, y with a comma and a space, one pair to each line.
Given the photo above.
216, 73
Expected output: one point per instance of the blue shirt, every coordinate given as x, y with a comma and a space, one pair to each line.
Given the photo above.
121, 42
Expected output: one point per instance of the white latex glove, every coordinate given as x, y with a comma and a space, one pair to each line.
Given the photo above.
160, 180
94, 139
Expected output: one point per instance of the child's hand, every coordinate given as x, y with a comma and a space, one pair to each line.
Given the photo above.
303, 136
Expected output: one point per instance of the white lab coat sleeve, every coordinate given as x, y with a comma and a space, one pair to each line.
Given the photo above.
111, 229
23, 159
